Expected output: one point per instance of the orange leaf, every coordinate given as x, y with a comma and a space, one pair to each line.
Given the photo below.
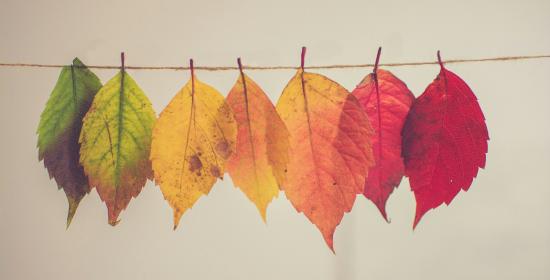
258, 165
330, 147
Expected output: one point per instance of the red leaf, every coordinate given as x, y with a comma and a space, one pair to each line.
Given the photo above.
387, 100
444, 142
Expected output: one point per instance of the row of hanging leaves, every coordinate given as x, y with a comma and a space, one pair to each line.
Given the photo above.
320, 144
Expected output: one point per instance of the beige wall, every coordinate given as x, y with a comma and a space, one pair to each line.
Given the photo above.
500, 229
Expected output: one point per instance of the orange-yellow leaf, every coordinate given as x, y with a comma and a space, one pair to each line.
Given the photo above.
258, 165
330, 149
192, 138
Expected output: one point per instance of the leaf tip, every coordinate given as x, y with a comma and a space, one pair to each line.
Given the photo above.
417, 218
113, 216
77, 62
263, 214
384, 214
177, 218
73, 205
329, 240
331, 247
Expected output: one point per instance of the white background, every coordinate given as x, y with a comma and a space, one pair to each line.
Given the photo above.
500, 229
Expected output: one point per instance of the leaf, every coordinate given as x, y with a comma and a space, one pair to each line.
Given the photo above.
59, 128
387, 100
329, 146
258, 165
115, 143
192, 139
444, 142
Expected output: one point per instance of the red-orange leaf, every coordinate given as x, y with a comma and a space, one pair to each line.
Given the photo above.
387, 100
444, 142
329, 146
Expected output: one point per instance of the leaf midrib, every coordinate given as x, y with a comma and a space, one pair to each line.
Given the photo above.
252, 148
310, 132
120, 129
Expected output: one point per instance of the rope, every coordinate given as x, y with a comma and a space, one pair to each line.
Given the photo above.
335, 66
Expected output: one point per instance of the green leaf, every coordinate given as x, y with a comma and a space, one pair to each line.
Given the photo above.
59, 129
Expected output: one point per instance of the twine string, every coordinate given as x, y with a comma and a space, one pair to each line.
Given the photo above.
260, 68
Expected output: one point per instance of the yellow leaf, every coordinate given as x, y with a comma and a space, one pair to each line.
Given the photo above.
192, 139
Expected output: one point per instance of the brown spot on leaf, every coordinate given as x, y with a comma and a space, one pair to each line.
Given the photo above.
195, 164
215, 171
222, 148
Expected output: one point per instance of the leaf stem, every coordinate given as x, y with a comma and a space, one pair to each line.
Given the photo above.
240, 65
122, 67
439, 59
244, 89
303, 58
377, 60
192, 68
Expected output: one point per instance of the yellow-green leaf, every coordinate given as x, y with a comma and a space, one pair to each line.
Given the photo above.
115, 143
